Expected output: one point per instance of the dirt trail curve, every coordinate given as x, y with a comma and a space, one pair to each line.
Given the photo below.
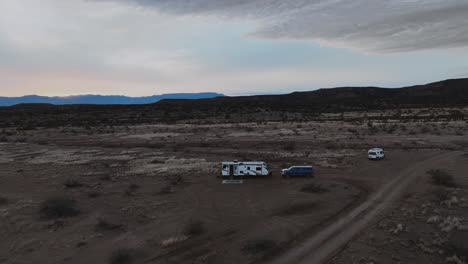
322, 246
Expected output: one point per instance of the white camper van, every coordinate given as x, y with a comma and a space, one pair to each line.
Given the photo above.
376, 154
244, 168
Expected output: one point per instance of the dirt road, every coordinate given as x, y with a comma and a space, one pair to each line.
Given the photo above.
322, 246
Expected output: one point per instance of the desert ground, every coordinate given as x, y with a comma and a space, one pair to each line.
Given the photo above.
150, 193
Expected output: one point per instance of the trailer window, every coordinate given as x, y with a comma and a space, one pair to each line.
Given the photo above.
259, 168
248, 168
225, 166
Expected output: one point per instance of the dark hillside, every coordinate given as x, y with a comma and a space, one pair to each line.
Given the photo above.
449, 93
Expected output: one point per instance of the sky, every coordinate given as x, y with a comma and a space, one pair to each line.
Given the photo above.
235, 47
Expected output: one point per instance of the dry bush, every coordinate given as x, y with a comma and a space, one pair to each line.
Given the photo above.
289, 147
194, 228
105, 177
94, 194
177, 179
72, 183
157, 161
458, 243
131, 189
3, 200
440, 195
314, 188
258, 246
441, 177
58, 207
168, 189
104, 225
123, 256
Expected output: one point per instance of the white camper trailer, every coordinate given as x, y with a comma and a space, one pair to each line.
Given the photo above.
376, 153
244, 168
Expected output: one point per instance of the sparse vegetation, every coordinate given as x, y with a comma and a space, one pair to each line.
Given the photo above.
441, 177
123, 256
458, 243
166, 189
289, 146
72, 183
3, 200
104, 225
194, 228
176, 179
258, 246
94, 194
440, 194
58, 207
131, 189
313, 188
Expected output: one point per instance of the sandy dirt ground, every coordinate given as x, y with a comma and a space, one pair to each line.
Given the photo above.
150, 193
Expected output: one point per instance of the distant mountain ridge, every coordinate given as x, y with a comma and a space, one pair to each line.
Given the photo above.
259, 108
101, 99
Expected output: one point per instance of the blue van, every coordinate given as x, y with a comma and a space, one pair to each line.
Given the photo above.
298, 171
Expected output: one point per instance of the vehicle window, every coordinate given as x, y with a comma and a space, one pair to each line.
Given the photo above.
248, 168
259, 168
371, 153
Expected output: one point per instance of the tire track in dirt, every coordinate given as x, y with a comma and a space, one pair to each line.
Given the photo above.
326, 243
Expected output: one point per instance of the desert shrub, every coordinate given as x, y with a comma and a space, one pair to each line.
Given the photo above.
289, 147
123, 256
21, 140
157, 161
353, 131
177, 179
313, 188
131, 189
94, 194
134, 186
105, 177
258, 246
204, 144
425, 130
440, 194
194, 228
441, 177
373, 129
457, 243
57, 207
3, 200
72, 183
104, 225
166, 189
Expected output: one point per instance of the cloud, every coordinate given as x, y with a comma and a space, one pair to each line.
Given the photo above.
368, 25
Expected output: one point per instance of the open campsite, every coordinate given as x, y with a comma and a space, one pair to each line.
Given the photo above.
151, 193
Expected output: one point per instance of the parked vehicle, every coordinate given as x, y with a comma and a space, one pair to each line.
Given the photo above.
376, 154
244, 168
298, 171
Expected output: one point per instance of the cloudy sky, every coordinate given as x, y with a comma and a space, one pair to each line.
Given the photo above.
236, 47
